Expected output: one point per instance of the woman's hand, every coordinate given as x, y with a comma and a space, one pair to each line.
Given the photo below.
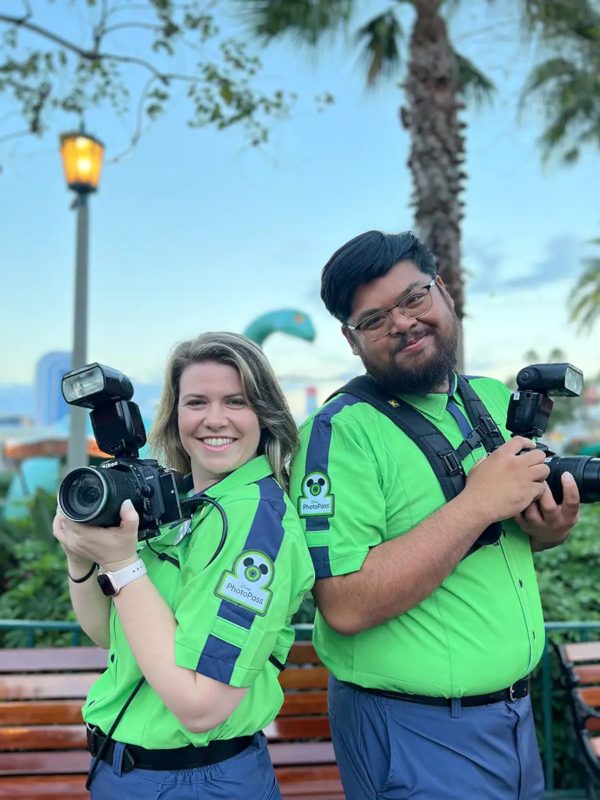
111, 548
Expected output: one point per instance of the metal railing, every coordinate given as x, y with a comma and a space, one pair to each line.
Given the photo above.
304, 631
33, 625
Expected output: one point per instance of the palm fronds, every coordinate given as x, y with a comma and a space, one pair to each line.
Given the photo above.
584, 302
304, 20
380, 40
472, 84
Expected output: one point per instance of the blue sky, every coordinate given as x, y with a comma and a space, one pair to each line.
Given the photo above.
196, 231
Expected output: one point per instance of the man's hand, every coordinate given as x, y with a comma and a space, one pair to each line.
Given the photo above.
547, 523
507, 482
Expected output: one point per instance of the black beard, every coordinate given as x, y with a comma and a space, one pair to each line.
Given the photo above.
422, 379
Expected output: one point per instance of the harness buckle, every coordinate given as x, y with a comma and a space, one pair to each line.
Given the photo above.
488, 425
452, 464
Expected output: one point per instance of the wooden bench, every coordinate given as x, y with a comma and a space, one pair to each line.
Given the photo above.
581, 668
42, 737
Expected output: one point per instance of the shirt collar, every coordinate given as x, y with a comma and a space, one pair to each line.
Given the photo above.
250, 472
434, 404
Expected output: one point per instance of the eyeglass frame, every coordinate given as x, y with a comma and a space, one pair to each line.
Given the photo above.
429, 286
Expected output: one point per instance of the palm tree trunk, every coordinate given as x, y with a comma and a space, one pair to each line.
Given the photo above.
437, 149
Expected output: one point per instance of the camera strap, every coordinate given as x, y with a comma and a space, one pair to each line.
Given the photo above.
444, 459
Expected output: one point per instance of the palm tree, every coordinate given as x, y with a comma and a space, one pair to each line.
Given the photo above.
436, 84
568, 83
584, 302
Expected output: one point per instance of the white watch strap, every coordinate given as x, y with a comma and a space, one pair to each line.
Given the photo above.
122, 577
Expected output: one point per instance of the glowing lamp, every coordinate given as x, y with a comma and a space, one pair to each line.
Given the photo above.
82, 161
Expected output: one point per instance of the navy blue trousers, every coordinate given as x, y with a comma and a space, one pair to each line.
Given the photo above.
394, 750
246, 776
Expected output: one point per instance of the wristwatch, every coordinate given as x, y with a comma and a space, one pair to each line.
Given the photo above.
111, 583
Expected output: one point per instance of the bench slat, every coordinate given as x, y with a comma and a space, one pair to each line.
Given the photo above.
43, 737
53, 659
295, 703
324, 783
69, 787
298, 728
313, 678
302, 753
56, 712
587, 674
303, 653
58, 762
582, 651
590, 695
27, 687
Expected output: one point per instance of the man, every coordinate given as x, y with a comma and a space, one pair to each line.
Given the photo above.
429, 633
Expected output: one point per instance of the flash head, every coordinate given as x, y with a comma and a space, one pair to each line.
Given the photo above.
551, 379
94, 385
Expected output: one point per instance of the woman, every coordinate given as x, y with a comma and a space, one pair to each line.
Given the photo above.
199, 625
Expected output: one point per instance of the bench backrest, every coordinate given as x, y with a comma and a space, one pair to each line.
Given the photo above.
42, 691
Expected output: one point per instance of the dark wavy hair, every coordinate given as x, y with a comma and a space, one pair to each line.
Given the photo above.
364, 258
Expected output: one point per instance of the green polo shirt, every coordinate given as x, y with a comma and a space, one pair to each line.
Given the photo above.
358, 481
232, 613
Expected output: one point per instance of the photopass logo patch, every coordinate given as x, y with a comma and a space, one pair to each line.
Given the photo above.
247, 583
316, 500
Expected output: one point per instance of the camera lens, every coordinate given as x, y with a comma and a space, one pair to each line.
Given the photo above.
85, 494
584, 469
94, 495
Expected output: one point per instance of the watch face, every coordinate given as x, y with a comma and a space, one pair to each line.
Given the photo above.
106, 585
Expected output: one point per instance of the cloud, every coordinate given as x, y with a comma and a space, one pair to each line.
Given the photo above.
559, 262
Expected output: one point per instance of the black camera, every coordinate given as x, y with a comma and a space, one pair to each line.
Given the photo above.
94, 495
529, 410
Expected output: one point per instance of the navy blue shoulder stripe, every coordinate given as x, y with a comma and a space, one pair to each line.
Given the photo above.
266, 535
317, 452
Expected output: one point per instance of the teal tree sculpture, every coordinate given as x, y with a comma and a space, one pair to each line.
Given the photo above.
285, 320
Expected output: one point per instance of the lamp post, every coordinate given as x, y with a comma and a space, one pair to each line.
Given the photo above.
82, 162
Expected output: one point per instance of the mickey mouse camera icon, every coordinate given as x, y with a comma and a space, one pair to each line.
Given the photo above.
316, 500
253, 572
315, 486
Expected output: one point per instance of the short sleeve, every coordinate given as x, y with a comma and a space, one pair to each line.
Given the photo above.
233, 614
336, 484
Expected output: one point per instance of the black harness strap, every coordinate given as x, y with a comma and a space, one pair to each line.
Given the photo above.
443, 458
439, 452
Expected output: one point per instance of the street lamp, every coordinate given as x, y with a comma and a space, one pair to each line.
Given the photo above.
82, 162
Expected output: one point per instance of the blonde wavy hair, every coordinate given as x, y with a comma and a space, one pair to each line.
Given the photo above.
279, 437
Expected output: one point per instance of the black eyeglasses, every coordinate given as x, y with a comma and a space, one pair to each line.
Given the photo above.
413, 306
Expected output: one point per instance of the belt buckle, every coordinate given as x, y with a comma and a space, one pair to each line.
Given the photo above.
511, 693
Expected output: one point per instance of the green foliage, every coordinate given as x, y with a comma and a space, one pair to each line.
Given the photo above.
305, 20
568, 575
33, 575
584, 301
568, 580
381, 38
121, 58
472, 84
568, 82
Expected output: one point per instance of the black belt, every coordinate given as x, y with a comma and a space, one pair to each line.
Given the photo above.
176, 758
510, 694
